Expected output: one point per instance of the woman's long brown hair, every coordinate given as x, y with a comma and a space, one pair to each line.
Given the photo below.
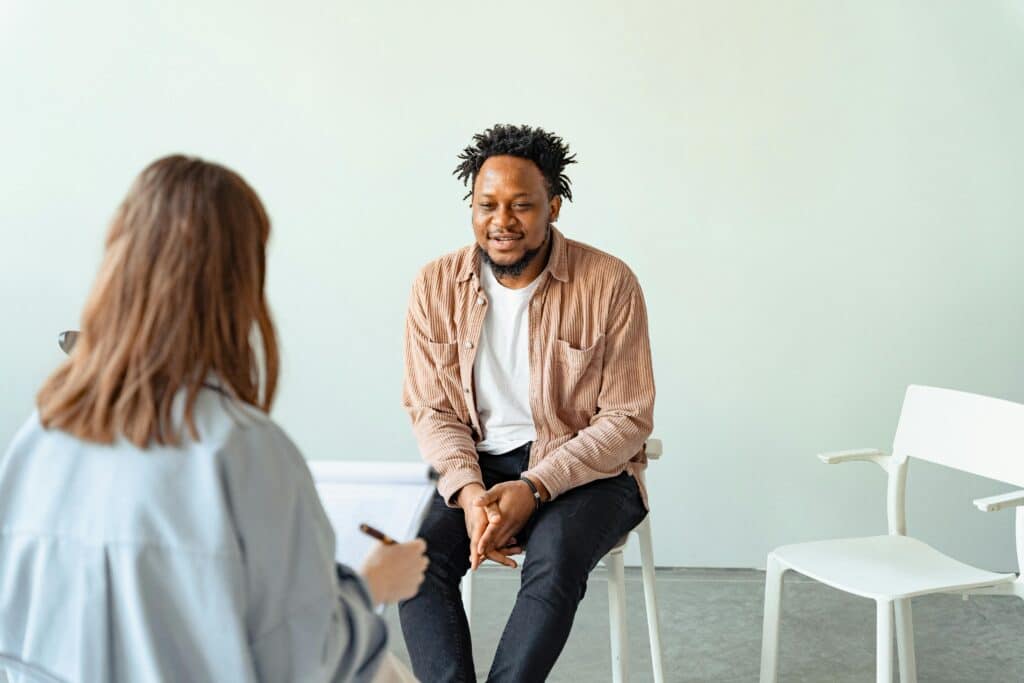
179, 297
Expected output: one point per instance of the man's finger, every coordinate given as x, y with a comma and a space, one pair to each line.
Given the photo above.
501, 559
486, 498
486, 540
502, 539
495, 537
474, 557
493, 513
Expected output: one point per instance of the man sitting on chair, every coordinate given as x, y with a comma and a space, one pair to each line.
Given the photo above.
528, 380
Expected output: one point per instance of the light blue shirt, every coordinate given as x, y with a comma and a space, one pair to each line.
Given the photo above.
211, 561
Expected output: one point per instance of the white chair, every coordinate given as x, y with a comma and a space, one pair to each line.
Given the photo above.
975, 434
613, 561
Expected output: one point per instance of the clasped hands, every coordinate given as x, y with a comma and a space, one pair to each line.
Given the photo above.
494, 517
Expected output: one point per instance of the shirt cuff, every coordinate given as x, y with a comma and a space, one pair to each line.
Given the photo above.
349, 577
451, 483
554, 479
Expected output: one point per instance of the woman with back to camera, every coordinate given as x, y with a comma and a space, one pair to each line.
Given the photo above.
155, 524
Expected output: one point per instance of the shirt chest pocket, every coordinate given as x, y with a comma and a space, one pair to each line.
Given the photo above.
445, 357
579, 374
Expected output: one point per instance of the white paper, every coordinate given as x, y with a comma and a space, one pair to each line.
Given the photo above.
389, 496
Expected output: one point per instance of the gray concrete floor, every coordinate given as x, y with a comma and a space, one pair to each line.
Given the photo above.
711, 631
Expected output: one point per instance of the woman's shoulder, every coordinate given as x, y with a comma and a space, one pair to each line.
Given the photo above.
218, 414
236, 430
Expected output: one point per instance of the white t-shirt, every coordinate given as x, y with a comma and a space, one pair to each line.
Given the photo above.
501, 370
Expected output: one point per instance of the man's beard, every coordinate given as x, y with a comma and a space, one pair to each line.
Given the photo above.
502, 270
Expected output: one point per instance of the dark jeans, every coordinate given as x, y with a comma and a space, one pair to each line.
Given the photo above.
565, 540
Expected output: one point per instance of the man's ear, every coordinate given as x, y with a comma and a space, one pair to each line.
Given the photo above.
555, 205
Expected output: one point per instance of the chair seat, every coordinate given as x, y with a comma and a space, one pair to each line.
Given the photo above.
884, 567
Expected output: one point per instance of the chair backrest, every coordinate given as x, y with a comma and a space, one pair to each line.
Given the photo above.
968, 432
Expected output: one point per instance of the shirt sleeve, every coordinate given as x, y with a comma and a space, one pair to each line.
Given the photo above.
625, 414
306, 619
445, 442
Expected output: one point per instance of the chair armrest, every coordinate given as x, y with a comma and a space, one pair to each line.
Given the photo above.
652, 447
859, 455
1000, 502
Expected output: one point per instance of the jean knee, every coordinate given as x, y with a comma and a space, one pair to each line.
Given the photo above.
560, 576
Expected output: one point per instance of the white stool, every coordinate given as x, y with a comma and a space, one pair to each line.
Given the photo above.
613, 561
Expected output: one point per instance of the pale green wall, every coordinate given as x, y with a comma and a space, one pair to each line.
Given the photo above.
822, 201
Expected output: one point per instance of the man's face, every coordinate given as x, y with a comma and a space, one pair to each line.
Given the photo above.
511, 209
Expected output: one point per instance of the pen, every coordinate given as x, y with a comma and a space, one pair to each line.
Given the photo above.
379, 535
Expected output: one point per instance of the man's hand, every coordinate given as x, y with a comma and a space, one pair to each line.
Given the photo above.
477, 522
509, 507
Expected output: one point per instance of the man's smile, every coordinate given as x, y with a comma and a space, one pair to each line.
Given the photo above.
504, 241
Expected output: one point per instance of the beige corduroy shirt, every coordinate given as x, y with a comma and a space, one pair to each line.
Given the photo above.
591, 381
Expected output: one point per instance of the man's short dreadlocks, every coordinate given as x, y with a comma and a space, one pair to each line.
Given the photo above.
545, 149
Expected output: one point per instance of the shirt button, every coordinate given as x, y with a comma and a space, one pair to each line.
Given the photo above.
469, 344
480, 301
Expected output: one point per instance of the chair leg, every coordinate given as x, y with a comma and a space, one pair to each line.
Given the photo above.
651, 599
905, 641
772, 612
617, 615
467, 596
883, 642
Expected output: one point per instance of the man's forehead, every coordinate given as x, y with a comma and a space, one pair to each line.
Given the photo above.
508, 173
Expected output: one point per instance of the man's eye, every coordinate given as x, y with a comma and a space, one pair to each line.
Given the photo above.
521, 207
486, 207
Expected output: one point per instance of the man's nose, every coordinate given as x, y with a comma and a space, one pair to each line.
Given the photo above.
504, 218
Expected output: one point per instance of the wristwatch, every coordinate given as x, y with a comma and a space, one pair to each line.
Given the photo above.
533, 488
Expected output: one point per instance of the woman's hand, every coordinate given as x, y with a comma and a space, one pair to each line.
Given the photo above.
395, 572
